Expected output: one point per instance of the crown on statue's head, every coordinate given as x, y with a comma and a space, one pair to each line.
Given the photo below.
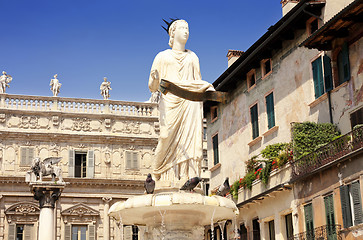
169, 24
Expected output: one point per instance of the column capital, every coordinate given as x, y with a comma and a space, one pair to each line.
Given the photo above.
47, 194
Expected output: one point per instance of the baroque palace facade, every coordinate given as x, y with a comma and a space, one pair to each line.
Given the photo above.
106, 148
308, 67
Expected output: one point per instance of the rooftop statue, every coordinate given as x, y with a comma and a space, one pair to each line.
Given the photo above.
55, 85
5, 79
105, 88
47, 167
179, 151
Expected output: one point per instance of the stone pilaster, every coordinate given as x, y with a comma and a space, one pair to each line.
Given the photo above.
106, 218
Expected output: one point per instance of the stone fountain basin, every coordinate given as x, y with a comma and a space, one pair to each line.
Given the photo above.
179, 210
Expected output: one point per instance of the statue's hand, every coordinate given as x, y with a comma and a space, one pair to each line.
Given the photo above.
155, 75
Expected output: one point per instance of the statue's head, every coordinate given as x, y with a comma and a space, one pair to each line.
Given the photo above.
4, 73
179, 31
55, 75
105, 79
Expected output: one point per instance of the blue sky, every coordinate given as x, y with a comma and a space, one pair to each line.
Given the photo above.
85, 40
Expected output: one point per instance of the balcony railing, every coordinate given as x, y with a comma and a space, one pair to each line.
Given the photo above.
77, 105
326, 232
340, 147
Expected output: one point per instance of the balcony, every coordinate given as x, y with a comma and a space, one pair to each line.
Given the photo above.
347, 145
330, 232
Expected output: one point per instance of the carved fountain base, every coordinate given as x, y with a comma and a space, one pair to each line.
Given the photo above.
173, 215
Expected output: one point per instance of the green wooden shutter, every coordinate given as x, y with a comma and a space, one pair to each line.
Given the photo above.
328, 76
215, 149
346, 211
92, 232
90, 164
357, 204
309, 221
270, 110
12, 231
254, 121
345, 62
318, 77
67, 232
28, 232
71, 163
330, 219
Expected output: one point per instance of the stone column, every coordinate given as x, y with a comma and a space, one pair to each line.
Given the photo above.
47, 194
106, 218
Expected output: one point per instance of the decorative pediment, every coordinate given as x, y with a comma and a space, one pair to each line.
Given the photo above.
23, 208
80, 210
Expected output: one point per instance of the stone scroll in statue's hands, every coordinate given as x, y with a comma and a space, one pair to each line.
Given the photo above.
183, 90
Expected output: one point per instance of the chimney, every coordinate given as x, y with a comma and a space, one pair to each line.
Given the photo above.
233, 55
287, 5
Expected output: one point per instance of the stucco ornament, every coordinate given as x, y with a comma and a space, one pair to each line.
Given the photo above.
179, 151
5, 79
105, 88
55, 85
47, 167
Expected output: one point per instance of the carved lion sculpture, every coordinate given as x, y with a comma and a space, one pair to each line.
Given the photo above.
46, 167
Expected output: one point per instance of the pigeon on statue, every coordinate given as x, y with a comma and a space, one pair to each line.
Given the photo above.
224, 188
191, 184
149, 184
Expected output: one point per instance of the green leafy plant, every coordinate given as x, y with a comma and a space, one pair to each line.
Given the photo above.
307, 136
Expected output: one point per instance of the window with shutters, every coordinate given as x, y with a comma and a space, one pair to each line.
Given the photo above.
254, 121
356, 118
289, 226
21, 232
351, 203
270, 109
271, 230
26, 156
81, 164
343, 64
309, 221
322, 75
215, 149
251, 79
132, 160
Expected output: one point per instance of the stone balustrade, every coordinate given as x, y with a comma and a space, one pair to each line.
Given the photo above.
77, 105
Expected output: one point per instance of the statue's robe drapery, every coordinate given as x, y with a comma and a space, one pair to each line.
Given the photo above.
179, 149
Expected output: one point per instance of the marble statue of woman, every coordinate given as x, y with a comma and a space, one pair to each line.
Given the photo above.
179, 151
5, 79
55, 85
